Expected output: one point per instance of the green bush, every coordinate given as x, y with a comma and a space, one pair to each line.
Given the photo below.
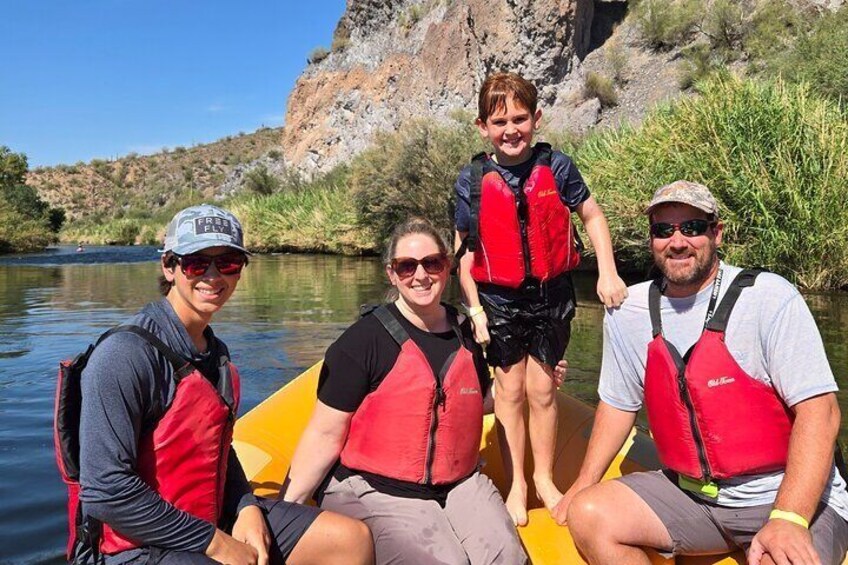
698, 62
819, 57
773, 155
260, 181
598, 86
666, 23
411, 173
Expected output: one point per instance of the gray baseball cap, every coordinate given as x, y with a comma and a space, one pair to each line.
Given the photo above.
685, 192
200, 227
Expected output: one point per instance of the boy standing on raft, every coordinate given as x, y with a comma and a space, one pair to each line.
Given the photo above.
153, 478
513, 214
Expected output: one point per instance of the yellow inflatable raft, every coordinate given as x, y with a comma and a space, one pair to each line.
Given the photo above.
265, 439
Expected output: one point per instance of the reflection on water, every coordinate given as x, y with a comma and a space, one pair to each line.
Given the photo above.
286, 311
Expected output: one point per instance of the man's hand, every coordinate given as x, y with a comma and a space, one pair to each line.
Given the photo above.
783, 542
225, 549
560, 511
480, 325
250, 528
611, 290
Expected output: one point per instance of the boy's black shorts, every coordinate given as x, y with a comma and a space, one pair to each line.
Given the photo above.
534, 319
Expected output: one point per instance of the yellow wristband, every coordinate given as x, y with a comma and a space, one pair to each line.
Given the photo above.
474, 310
789, 517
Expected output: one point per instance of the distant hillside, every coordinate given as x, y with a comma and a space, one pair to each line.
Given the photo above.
125, 186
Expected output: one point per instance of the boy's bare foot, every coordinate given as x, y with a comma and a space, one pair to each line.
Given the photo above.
516, 504
547, 492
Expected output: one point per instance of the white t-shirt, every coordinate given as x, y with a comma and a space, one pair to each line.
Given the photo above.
771, 334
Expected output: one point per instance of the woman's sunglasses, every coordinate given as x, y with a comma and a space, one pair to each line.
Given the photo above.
689, 228
405, 267
196, 265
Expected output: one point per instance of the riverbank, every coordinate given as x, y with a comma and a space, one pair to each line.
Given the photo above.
772, 153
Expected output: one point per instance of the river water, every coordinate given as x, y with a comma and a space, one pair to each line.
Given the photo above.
286, 311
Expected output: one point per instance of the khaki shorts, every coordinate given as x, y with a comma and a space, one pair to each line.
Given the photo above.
474, 525
697, 527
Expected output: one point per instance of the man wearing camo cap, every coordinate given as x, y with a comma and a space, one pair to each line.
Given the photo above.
731, 369
147, 404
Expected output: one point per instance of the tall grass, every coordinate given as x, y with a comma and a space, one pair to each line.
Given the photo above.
774, 155
316, 216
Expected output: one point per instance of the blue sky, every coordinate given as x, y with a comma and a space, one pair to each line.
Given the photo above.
99, 79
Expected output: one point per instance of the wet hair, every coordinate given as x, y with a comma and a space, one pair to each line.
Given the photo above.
499, 87
169, 260
412, 226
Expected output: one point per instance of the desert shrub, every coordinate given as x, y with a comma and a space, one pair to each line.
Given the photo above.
616, 57
725, 24
411, 172
259, 181
774, 156
596, 85
819, 57
317, 55
666, 23
697, 63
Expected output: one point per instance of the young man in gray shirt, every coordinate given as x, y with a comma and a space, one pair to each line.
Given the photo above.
159, 480
713, 374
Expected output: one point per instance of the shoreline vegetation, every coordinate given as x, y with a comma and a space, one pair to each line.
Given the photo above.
774, 154
772, 145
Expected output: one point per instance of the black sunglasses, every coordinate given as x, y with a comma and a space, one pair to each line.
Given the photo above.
689, 228
196, 265
405, 267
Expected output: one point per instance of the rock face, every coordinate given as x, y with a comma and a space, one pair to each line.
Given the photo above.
395, 60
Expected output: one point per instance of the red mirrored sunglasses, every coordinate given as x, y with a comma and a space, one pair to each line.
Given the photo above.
196, 265
405, 267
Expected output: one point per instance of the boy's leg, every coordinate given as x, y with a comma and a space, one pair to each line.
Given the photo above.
404, 530
541, 396
476, 512
509, 411
507, 353
550, 319
304, 534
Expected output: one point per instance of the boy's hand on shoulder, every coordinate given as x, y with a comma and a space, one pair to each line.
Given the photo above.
611, 290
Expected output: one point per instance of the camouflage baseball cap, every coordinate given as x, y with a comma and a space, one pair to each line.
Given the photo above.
200, 227
685, 192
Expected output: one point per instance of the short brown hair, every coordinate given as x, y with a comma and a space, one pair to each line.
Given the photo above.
170, 262
497, 88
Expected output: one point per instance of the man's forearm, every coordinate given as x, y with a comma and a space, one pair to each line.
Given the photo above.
810, 457
609, 432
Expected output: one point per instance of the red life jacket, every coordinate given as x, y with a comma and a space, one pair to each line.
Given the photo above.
417, 426
708, 417
516, 236
183, 458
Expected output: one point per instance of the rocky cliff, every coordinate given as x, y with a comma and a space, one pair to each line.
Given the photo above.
399, 59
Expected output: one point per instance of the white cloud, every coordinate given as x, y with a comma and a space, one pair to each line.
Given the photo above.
215, 108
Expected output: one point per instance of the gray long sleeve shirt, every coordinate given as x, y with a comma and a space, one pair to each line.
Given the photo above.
124, 388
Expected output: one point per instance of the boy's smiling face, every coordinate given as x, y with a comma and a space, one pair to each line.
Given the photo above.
510, 130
